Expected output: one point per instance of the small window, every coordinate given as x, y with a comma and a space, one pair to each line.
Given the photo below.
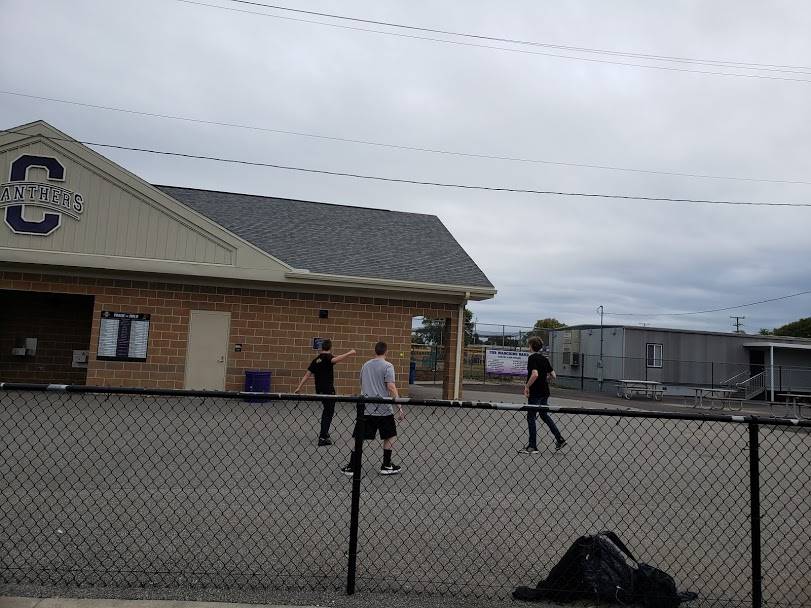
654, 355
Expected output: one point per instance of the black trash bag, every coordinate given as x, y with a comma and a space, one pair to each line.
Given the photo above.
595, 567
600, 567
657, 589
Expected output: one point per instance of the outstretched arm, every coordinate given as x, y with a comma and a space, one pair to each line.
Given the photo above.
307, 376
339, 358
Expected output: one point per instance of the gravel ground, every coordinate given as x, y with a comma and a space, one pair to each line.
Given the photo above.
158, 494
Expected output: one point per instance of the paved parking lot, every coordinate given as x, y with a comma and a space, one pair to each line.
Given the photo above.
204, 493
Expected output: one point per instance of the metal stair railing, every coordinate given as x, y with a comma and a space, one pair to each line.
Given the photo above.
734, 380
753, 386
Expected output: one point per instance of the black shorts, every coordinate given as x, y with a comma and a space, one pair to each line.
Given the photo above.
371, 424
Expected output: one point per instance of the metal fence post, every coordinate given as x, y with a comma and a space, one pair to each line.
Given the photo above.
582, 372
357, 466
754, 506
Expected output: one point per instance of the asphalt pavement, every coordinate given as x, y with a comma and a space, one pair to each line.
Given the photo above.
182, 495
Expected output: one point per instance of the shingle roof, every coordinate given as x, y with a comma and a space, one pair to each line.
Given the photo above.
339, 239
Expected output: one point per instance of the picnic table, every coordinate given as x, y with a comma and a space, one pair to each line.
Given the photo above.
793, 400
647, 388
710, 393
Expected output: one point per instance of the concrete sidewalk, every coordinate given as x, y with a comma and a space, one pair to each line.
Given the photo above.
306, 600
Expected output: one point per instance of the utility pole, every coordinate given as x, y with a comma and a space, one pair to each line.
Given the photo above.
600, 361
737, 323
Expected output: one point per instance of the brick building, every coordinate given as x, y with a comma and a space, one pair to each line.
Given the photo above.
108, 280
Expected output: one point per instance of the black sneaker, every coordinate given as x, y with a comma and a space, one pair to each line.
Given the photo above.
392, 469
528, 450
322, 441
348, 470
559, 444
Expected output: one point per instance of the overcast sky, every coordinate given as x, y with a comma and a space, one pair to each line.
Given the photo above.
548, 256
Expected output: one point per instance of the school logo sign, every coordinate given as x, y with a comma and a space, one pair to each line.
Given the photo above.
18, 194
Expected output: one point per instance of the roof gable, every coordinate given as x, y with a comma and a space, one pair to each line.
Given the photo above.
63, 204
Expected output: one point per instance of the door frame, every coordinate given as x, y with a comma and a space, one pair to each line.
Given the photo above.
225, 349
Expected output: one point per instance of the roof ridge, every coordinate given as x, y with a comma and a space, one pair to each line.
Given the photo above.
296, 200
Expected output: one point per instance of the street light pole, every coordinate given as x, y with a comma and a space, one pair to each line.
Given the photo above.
600, 361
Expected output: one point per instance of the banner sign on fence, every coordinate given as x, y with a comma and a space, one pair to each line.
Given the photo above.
506, 362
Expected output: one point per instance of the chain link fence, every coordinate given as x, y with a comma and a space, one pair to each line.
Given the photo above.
129, 488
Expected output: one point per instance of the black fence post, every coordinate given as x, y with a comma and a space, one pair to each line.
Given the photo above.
582, 372
780, 372
712, 374
754, 506
357, 467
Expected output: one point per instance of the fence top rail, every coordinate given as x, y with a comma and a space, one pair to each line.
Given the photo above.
447, 403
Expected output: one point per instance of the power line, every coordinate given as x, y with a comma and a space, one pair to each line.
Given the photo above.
414, 181
748, 65
367, 142
513, 50
702, 312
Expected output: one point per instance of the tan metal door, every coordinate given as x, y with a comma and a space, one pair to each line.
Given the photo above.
207, 350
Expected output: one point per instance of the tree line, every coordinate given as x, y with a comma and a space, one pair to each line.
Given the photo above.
796, 329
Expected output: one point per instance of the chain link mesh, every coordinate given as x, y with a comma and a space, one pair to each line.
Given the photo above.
785, 501
216, 492
163, 491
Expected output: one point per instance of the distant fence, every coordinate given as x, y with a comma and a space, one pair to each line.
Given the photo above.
192, 490
584, 374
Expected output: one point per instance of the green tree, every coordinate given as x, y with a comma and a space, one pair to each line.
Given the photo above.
548, 323
798, 329
470, 328
542, 327
432, 330
766, 332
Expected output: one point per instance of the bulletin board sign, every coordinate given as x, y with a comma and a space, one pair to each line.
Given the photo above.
123, 336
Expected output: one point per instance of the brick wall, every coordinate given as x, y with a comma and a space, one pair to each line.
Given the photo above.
61, 325
274, 328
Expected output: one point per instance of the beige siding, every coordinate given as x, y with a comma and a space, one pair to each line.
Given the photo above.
117, 221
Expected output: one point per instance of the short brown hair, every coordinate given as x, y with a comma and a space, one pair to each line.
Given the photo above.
326, 345
535, 343
381, 348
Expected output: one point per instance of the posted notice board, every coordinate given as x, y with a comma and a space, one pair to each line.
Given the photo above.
123, 336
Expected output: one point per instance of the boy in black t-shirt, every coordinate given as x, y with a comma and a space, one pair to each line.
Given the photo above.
321, 368
539, 370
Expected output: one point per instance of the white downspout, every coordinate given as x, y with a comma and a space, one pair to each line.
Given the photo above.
771, 371
460, 341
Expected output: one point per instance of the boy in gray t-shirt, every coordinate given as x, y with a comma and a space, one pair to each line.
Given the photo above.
377, 380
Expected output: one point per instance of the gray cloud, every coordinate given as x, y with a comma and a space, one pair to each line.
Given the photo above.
548, 256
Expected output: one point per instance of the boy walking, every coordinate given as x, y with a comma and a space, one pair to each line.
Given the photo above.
377, 380
536, 390
321, 368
